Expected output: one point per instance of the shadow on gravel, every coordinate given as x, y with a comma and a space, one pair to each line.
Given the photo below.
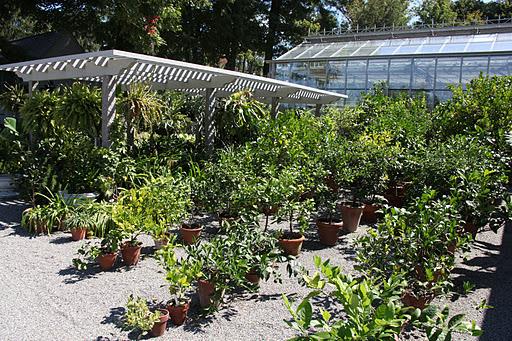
61, 240
497, 323
74, 275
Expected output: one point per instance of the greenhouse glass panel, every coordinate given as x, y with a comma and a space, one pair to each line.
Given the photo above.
313, 50
377, 71
356, 74
448, 72
336, 75
442, 95
317, 74
299, 73
295, 52
330, 50
472, 67
400, 73
500, 66
453, 48
502, 46
476, 47
430, 48
354, 96
423, 73
283, 71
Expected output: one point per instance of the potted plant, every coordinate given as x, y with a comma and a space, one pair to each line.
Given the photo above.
139, 317
105, 254
190, 233
219, 266
415, 244
480, 198
291, 241
180, 275
78, 222
327, 223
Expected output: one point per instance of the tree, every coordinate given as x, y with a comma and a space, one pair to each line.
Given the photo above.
377, 13
437, 11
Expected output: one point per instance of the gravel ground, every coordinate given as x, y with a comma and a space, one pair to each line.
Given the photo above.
43, 298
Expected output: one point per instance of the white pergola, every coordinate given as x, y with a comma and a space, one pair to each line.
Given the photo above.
119, 68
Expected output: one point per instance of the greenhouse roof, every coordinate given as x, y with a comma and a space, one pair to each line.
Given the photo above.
163, 73
494, 43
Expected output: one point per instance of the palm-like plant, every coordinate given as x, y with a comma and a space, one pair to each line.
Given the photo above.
80, 109
141, 107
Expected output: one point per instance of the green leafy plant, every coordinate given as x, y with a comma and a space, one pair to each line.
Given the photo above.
180, 274
138, 316
418, 242
89, 252
372, 309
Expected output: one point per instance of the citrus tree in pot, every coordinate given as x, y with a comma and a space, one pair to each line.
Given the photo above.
221, 267
328, 222
129, 214
480, 196
180, 275
417, 243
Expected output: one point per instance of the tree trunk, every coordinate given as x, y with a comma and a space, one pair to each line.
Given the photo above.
273, 23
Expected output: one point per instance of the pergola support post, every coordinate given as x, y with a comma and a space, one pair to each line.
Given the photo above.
209, 110
318, 108
108, 107
32, 86
274, 106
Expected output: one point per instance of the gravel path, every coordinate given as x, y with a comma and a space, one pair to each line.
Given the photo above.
43, 298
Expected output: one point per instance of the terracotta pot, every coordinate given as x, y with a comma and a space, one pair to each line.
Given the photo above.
205, 291
78, 234
160, 326
131, 254
291, 244
178, 314
411, 300
190, 233
107, 261
351, 217
328, 232
370, 214
252, 277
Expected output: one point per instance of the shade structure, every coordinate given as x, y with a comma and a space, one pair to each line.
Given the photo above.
162, 73
115, 68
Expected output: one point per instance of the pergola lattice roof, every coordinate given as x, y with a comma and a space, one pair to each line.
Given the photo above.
163, 73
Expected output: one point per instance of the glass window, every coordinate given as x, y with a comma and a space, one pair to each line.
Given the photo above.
336, 75
294, 52
377, 72
409, 49
448, 71
329, 51
386, 50
450, 47
299, 73
400, 73
423, 74
430, 48
500, 66
479, 47
356, 74
283, 71
472, 67
502, 46
317, 74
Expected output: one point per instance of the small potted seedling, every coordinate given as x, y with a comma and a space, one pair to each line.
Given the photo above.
180, 275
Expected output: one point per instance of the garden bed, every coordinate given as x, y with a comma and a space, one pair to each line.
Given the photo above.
45, 298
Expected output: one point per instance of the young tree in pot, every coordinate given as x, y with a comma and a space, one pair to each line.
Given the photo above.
129, 214
139, 317
480, 198
328, 224
417, 243
180, 274
221, 266
291, 241
258, 252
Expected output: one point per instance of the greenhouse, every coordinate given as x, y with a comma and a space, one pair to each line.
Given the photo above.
412, 61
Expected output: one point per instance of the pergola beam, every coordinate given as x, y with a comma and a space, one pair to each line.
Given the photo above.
108, 107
